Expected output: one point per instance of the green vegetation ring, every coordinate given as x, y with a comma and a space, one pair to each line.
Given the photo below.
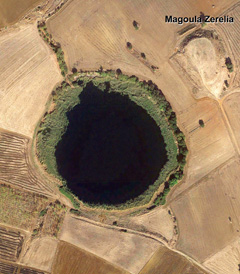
146, 95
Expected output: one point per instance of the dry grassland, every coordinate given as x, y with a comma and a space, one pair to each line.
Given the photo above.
125, 250
28, 73
13, 10
41, 253
73, 260
20, 209
208, 215
231, 106
15, 168
165, 261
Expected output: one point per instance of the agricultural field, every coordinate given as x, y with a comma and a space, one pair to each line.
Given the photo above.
211, 210
81, 262
230, 33
15, 167
162, 262
232, 109
225, 261
13, 10
209, 146
157, 221
25, 62
10, 268
125, 250
41, 253
10, 244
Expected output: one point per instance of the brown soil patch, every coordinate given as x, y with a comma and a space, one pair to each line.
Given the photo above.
165, 261
73, 260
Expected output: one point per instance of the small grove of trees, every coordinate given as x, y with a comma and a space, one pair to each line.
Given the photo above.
201, 123
229, 64
179, 136
129, 45
136, 25
56, 47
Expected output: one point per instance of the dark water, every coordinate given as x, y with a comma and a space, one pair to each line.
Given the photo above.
112, 149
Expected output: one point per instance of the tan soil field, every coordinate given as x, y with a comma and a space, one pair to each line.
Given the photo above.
73, 260
126, 250
231, 106
156, 221
162, 262
41, 253
226, 261
28, 73
92, 21
13, 10
231, 35
208, 215
209, 147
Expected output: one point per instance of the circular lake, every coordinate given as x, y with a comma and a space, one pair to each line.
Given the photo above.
112, 149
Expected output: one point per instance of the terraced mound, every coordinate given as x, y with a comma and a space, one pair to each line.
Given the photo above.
10, 244
15, 167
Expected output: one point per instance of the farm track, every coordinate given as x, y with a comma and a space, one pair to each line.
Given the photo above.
15, 167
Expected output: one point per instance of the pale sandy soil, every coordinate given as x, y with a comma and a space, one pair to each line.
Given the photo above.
128, 251
40, 253
28, 73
